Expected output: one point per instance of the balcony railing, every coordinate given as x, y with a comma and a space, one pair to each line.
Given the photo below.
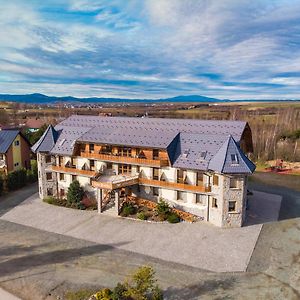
126, 159
175, 185
73, 170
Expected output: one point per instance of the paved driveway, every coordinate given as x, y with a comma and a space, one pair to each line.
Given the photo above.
199, 245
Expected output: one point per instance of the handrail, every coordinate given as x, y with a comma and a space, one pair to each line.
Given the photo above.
126, 159
106, 200
174, 185
74, 170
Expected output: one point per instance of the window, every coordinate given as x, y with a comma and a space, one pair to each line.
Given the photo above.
49, 176
138, 169
155, 153
1, 156
124, 151
231, 206
199, 178
234, 159
17, 143
92, 165
181, 196
91, 148
214, 203
60, 161
180, 176
234, 183
124, 169
74, 177
73, 162
200, 199
49, 192
61, 176
155, 191
48, 159
215, 180
155, 173
106, 150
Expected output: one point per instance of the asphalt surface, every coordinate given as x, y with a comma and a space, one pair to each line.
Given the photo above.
35, 264
198, 244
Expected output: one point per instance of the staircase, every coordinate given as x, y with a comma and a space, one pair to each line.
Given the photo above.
108, 204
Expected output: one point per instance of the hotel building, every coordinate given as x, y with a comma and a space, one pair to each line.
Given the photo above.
198, 166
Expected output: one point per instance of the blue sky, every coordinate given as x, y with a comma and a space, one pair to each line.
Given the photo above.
236, 49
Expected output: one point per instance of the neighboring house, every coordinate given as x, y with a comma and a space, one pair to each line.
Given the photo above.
197, 166
34, 125
14, 151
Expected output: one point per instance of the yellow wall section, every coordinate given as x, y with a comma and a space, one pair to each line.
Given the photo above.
17, 157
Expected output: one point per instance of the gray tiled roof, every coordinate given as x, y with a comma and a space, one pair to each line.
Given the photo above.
223, 161
194, 145
185, 140
67, 138
47, 141
117, 135
235, 128
7, 136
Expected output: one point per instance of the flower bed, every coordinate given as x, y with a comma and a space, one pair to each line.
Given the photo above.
157, 212
84, 204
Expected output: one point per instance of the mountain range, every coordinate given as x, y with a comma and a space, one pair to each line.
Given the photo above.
37, 98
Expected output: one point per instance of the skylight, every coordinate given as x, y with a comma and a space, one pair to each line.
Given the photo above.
62, 142
202, 155
186, 153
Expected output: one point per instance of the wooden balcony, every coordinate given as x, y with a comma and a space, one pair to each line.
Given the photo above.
175, 185
74, 171
115, 181
126, 159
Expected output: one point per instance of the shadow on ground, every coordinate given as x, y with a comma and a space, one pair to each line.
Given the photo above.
29, 261
195, 291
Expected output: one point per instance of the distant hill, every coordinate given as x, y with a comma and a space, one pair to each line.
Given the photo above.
44, 99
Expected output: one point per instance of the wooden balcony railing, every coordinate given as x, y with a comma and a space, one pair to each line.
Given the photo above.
175, 185
75, 171
126, 159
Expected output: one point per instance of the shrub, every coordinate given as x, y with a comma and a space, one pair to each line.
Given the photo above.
16, 179
30, 176
118, 291
142, 216
50, 200
128, 209
75, 193
140, 286
104, 294
163, 208
89, 202
173, 218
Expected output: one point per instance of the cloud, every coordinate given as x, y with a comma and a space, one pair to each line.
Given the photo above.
151, 48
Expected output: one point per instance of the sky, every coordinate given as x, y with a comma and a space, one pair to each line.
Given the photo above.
231, 49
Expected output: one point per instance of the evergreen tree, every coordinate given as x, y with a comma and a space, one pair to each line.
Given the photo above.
75, 193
